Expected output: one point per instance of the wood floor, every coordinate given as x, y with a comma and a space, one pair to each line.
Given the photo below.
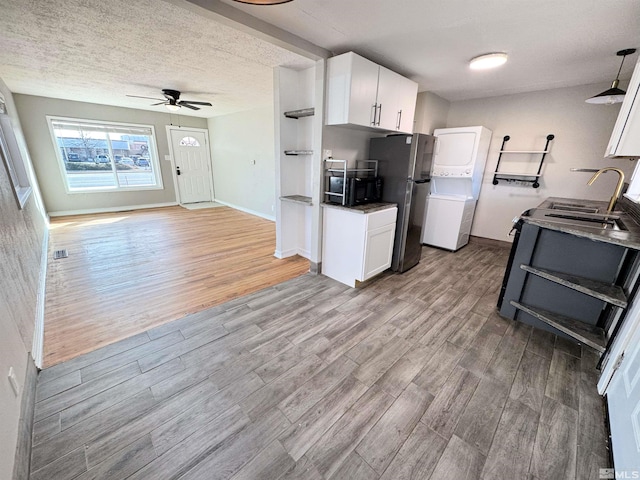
412, 377
128, 272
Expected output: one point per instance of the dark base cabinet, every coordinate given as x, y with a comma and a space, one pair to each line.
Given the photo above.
572, 286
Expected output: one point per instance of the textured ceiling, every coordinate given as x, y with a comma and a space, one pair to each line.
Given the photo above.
99, 51
551, 43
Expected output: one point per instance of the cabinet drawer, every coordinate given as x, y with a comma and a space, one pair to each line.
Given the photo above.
381, 218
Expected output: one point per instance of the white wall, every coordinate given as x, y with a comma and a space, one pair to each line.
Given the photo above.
33, 111
431, 113
243, 154
581, 134
21, 236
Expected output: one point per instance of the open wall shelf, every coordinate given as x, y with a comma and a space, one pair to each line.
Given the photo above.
298, 152
532, 178
296, 199
303, 112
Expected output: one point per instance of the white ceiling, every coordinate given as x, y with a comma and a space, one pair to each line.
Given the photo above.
551, 43
100, 50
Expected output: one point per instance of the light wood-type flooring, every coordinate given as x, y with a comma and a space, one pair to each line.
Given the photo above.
128, 272
414, 376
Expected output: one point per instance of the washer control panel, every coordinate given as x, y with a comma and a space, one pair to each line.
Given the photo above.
452, 172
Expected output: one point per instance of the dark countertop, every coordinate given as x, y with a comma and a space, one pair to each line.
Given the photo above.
366, 208
539, 216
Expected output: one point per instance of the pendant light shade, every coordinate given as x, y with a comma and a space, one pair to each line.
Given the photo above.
614, 94
264, 2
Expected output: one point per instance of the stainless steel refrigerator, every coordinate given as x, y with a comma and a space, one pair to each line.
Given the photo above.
404, 163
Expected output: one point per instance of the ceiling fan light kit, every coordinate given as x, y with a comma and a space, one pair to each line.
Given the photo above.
488, 60
614, 94
264, 2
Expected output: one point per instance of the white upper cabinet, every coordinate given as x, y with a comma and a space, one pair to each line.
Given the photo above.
360, 92
625, 139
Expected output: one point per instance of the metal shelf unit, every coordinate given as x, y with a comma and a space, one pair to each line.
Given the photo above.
344, 171
533, 178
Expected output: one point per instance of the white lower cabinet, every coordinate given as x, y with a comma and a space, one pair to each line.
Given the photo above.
357, 246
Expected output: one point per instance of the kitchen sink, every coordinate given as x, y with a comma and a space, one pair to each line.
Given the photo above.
593, 220
573, 207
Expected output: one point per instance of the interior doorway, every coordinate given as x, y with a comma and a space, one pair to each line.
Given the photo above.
191, 161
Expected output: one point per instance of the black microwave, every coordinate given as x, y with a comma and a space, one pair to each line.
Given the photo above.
357, 191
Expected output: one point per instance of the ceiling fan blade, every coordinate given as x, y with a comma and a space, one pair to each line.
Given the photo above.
138, 96
183, 104
206, 104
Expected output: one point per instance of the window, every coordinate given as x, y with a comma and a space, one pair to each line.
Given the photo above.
102, 156
12, 158
189, 142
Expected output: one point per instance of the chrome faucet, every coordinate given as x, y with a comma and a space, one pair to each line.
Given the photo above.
617, 191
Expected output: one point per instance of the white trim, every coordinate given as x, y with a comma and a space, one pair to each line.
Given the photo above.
247, 210
291, 252
172, 156
124, 208
37, 349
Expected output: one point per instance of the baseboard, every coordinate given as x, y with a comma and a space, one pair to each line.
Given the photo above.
37, 349
489, 242
125, 208
247, 210
21, 464
291, 252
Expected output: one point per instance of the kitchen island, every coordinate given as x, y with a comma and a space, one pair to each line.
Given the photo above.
573, 269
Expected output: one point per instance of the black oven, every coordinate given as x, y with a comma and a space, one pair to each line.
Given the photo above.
357, 190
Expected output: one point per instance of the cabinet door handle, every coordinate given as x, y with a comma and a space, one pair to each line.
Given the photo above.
399, 120
379, 114
375, 110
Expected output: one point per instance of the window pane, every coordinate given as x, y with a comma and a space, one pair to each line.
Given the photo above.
189, 142
133, 161
83, 153
104, 157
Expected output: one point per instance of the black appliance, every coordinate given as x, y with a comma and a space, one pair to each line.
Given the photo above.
357, 191
404, 161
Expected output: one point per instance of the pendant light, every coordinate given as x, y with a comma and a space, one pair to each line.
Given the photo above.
263, 2
614, 94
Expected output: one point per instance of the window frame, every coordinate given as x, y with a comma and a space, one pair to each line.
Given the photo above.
153, 153
13, 159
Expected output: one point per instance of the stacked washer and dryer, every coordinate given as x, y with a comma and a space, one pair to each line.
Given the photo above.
459, 158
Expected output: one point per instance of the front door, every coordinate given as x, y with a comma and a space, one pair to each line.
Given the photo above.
623, 397
192, 165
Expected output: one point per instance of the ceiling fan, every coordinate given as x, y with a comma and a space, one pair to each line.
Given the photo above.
172, 101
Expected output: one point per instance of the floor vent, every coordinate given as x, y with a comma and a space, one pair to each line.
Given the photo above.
58, 254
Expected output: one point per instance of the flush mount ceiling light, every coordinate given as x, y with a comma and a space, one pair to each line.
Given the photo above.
264, 2
488, 60
614, 94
